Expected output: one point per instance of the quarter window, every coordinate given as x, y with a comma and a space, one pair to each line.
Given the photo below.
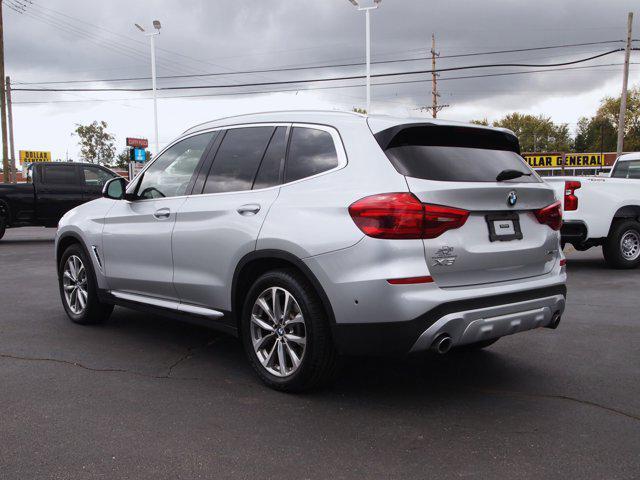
236, 163
171, 173
311, 151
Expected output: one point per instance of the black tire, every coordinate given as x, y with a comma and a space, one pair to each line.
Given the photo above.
472, 347
614, 252
319, 361
4, 215
94, 311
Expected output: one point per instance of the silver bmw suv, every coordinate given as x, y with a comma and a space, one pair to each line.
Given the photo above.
312, 235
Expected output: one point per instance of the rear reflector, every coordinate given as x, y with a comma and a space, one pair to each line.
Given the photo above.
570, 199
550, 215
403, 216
410, 280
563, 262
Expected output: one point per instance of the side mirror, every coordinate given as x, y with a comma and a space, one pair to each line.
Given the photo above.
115, 188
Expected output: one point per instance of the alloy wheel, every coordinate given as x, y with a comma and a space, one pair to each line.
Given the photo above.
278, 332
74, 283
630, 245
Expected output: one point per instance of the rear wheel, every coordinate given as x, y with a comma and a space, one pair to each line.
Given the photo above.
622, 247
78, 288
285, 333
3, 226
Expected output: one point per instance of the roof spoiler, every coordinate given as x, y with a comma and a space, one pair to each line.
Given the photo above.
430, 134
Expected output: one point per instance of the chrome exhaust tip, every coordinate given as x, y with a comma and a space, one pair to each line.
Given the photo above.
555, 321
442, 344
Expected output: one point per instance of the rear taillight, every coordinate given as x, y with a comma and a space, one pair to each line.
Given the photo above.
570, 199
403, 216
551, 215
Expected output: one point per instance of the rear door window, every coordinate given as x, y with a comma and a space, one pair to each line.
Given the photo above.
60, 175
454, 154
236, 164
627, 169
311, 151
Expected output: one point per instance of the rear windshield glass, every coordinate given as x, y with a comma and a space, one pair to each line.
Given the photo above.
627, 169
454, 154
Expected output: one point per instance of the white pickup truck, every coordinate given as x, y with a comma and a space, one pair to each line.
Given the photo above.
604, 211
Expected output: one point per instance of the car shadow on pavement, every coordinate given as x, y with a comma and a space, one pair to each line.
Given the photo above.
212, 356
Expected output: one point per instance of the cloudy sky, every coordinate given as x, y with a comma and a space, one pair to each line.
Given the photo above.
78, 40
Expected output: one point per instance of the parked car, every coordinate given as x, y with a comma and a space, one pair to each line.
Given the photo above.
315, 234
604, 211
51, 190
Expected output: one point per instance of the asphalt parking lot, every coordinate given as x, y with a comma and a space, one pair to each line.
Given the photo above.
144, 397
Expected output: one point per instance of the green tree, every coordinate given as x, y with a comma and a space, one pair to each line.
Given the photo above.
537, 133
96, 144
122, 159
601, 130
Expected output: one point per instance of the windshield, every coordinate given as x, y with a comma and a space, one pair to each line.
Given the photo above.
627, 169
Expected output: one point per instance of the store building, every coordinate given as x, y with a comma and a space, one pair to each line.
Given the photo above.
570, 164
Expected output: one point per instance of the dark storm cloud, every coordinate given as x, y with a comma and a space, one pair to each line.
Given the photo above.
220, 36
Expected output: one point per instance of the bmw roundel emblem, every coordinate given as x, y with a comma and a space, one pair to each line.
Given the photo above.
512, 198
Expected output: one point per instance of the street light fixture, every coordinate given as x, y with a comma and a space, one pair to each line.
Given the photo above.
376, 4
152, 39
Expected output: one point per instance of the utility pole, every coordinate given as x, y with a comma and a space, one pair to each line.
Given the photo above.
625, 82
3, 107
435, 108
12, 146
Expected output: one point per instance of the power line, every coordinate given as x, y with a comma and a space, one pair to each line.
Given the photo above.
259, 92
319, 80
311, 67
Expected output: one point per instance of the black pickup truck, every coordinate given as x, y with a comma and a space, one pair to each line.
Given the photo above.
51, 190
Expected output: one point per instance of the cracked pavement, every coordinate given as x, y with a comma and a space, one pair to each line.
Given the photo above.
145, 397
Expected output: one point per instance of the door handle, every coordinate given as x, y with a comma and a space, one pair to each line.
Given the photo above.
162, 214
250, 209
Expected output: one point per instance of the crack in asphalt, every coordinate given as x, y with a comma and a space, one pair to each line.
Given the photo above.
191, 353
94, 369
550, 396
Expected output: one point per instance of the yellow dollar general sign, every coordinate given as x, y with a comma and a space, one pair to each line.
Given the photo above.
583, 160
543, 161
570, 160
31, 156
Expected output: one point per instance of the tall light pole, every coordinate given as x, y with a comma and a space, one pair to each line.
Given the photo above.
367, 10
625, 81
152, 39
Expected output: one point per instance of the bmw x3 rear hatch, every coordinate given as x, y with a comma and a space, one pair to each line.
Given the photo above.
502, 218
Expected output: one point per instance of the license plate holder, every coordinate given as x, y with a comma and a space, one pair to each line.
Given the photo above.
504, 227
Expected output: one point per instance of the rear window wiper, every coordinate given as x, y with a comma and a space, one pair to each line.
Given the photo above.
511, 174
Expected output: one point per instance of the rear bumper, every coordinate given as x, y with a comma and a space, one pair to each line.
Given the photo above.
465, 321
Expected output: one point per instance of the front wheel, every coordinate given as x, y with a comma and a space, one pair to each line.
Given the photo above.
78, 288
3, 226
286, 334
622, 247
